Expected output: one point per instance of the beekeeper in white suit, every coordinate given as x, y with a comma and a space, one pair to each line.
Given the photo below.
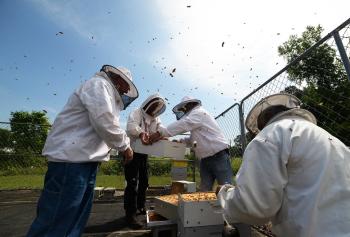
294, 174
141, 122
212, 147
80, 138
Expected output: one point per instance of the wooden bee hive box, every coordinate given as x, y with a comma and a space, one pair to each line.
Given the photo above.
192, 209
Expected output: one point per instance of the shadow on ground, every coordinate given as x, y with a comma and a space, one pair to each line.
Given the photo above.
18, 208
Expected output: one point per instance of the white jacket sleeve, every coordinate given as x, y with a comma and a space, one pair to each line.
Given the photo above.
98, 98
185, 124
160, 127
261, 179
133, 127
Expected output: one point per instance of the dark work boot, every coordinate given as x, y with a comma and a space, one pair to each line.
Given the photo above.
132, 222
229, 231
142, 210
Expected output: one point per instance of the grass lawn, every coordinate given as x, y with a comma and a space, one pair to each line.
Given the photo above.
37, 181
118, 181
21, 181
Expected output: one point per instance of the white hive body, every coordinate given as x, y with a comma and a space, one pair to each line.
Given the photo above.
162, 148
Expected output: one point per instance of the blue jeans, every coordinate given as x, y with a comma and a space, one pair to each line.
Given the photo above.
65, 202
216, 167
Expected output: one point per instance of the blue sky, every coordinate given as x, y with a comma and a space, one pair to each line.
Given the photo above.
40, 67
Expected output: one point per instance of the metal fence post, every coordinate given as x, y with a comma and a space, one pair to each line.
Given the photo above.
241, 121
342, 52
194, 171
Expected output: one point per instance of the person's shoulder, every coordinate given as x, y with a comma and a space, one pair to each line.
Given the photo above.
136, 111
199, 110
275, 129
157, 119
268, 136
202, 112
295, 124
309, 128
96, 82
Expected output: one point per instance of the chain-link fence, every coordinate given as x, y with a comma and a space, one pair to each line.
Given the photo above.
20, 154
20, 148
229, 122
319, 77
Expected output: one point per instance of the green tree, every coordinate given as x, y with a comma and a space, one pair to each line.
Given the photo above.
5, 139
29, 131
325, 86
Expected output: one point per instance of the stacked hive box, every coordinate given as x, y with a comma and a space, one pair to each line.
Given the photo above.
168, 149
162, 148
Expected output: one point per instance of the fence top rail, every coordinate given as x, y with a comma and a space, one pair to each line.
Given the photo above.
9, 123
222, 114
297, 59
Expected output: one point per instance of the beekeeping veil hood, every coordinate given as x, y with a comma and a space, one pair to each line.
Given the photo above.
290, 102
154, 105
127, 97
180, 109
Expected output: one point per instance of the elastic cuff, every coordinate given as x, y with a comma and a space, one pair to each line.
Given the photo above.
126, 148
160, 133
139, 132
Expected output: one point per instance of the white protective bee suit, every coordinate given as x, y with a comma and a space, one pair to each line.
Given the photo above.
80, 138
212, 147
204, 129
88, 126
139, 121
296, 175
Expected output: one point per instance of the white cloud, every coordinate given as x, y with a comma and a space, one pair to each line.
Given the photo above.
251, 32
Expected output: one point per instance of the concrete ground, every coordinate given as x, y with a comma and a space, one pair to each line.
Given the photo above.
17, 211
18, 207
